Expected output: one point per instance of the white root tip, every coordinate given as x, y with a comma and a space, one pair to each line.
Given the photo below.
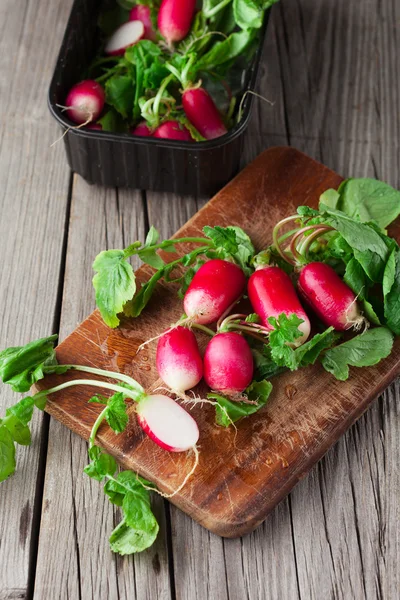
184, 482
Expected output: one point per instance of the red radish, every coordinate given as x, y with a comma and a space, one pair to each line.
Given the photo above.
140, 12
172, 130
142, 130
228, 363
125, 36
202, 113
272, 293
95, 127
332, 300
175, 18
178, 359
85, 101
214, 288
167, 423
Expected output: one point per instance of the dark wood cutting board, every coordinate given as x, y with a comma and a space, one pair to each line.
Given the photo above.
241, 475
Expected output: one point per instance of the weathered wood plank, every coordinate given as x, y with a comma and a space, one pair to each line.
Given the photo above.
33, 204
77, 517
344, 546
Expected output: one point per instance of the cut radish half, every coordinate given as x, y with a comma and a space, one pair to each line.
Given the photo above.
167, 423
125, 36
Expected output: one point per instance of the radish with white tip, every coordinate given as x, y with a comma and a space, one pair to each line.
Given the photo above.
178, 360
124, 37
85, 102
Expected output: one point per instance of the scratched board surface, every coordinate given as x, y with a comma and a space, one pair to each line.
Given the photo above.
241, 474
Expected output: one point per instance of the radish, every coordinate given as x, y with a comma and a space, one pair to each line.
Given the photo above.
125, 36
140, 12
85, 102
142, 130
175, 18
201, 111
95, 127
178, 360
332, 300
228, 363
172, 130
272, 293
216, 286
168, 424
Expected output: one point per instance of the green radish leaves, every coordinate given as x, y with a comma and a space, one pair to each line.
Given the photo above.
139, 528
7, 453
228, 411
286, 332
369, 200
232, 242
22, 366
364, 350
114, 284
391, 291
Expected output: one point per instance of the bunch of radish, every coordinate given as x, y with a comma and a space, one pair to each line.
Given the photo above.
86, 101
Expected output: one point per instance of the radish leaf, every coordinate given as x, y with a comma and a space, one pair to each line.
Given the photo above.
369, 200
22, 366
391, 291
364, 350
114, 284
7, 453
228, 411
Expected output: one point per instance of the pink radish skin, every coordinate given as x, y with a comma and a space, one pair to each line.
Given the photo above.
202, 113
172, 130
178, 359
330, 298
272, 293
214, 288
85, 101
95, 127
228, 363
168, 424
124, 37
142, 130
175, 19
142, 13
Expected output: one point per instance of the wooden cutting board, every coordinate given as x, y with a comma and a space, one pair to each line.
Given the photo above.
241, 475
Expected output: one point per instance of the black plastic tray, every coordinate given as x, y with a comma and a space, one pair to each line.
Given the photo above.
124, 160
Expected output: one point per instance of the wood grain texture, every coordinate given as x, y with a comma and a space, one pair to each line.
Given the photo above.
77, 517
241, 475
33, 203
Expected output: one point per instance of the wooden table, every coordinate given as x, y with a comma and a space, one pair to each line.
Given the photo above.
332, 71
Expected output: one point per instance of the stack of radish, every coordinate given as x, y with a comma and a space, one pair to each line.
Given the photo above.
227, 366
86, 100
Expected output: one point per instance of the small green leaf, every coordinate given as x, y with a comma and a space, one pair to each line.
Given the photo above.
120, 93
253, 318
223, 237
22, 410
150, 257
116, 415
364, 350
101, 466
286, 331
152, 237
114, 284
222, 52
7, 454
391, 291
228, 412
20, 433
330, 198
127, 540
134, 307
370, 200
22, 366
